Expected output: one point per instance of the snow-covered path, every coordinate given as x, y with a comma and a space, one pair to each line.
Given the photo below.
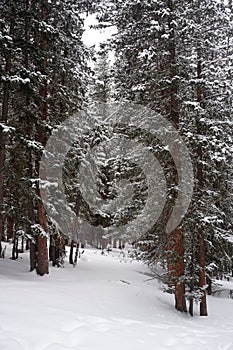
103, 303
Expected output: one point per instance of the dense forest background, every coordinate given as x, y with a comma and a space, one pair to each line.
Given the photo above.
174, 57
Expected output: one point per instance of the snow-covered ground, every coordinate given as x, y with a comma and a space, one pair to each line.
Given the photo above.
105, 302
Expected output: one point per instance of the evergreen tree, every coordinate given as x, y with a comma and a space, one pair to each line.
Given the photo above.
100, 88
173, 57
46, 81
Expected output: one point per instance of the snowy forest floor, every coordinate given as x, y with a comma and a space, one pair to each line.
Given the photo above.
105, 302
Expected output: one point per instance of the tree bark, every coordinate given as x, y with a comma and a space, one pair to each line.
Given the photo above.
3, 120
202, 275
71, 260
33, 256
42, 256
180, 303
200, 184
176, 238
42, 253
42, 250
56, 250
10, 226
209, 283
15, 248
191, 307
191, 300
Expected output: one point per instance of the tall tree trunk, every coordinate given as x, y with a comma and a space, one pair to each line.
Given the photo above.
202, 275
3, 120
42, 250
31, 243
176, 239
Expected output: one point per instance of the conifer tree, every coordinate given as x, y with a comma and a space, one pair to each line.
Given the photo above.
44, 82
172, 57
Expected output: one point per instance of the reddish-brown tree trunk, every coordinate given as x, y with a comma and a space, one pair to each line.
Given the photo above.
176, 238
202, 275
31, 243
180, 303
42, 250
42, 256
175, 260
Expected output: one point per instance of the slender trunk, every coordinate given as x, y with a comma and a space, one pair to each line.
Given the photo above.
202, 275
10, 227
3, 120
15, 248
176, 238
2, 164
2, 151
74, 241
77, 254
209, 283
33, 255
232, 265
22, 245
71, 260
191, 306
191, 301
60, 250
27, 246
180, 303
42, 250
42, 254
3, 253
31, 242
52, 250
56, 250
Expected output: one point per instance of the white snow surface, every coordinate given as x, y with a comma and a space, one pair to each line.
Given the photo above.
104, 302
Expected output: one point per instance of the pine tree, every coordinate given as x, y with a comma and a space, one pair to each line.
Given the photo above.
46, 83
168, 56
100, 88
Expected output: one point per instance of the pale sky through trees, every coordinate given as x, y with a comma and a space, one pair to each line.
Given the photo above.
92, 36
